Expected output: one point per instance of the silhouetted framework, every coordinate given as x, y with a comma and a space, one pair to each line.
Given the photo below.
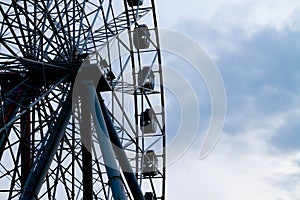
99, 136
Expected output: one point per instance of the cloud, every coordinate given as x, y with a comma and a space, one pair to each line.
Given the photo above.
258, 155
239, 168
261, 73
261, 79
224, 14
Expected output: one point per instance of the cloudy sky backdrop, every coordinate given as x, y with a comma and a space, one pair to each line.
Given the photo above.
256, 47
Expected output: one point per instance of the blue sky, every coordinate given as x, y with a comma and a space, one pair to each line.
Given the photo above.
256, 47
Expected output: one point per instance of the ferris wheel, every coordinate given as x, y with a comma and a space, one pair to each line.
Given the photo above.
82, 100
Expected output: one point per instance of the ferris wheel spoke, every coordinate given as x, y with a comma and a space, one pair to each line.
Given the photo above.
109, 7
15, 175
29, 32
42, 163
125, 115
25, 42
62, 26
85, 42
3, 42
88, 42
47, 40
80, 19
6, 18
58, 173
68, 24
42, 35
56, 27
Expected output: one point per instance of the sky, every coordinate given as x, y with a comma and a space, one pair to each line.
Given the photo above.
255, 45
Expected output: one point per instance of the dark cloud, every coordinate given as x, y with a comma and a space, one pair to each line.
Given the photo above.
261, 73
262, 80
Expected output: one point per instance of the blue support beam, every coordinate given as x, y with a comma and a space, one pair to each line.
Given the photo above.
121, 155
114, 176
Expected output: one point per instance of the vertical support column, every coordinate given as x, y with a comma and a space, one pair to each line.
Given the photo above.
25, 147
86, 137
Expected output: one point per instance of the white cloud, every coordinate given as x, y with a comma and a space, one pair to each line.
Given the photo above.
239, 168
223, 14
